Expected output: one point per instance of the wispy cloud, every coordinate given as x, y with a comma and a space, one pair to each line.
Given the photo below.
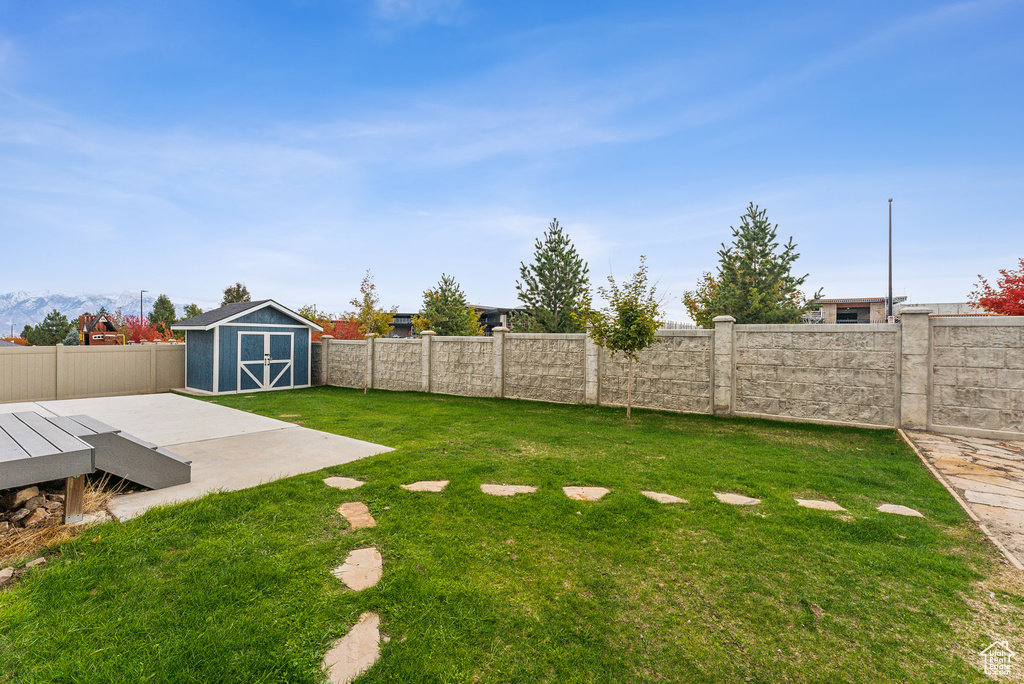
416, 11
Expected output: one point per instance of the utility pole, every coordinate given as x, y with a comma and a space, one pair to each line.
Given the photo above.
889, 299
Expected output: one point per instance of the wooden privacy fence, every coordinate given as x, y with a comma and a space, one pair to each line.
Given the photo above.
47, 373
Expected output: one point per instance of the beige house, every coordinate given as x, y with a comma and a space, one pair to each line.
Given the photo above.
852, 310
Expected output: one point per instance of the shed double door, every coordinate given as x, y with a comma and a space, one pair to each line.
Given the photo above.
265, 360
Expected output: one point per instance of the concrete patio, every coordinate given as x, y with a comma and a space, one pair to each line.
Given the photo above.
229, 449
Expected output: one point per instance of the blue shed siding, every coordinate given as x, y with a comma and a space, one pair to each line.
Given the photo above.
266, 315
229, 352
199, 369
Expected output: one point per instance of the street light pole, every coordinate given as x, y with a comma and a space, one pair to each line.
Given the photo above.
889, 300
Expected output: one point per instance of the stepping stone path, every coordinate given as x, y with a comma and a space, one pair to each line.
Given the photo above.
362, 569
585, 493
357, 514
899, 510
426, 486
736, 499
664, 498
354, 653
819, 504
342, 482
506, 490
988, 475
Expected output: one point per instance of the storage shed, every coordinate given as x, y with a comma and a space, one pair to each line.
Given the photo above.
247, 347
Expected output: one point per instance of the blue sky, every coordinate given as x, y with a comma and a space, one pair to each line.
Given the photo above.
181, 146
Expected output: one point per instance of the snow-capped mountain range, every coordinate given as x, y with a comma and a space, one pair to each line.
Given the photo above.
18, 309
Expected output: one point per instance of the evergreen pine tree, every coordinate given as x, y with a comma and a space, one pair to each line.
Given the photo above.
446, 312
552, 285
163, 314
754, 283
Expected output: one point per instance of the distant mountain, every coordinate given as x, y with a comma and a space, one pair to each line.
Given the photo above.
18, 309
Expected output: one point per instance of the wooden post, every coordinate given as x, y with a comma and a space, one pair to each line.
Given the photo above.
74, 493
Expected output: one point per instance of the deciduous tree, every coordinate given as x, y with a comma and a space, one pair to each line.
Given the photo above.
1006, 298
235, 293
191, 310
754, 283
446, 312
552, 285
372, 318
628, 324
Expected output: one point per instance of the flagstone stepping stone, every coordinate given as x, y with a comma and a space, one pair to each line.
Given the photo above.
426, 486
664, 498
354, 653
585, 493
362, 569
1000, 500
357, 514
506, 490
736, 499
343, 482
899, 510
819, 504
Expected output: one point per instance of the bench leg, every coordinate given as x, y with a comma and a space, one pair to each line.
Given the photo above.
74, 493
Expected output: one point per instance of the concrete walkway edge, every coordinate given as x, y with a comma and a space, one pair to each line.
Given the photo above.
963, 504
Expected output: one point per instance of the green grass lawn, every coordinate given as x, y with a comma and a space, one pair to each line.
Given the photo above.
536, 588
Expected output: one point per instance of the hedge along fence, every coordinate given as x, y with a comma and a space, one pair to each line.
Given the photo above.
959, 375
47, 373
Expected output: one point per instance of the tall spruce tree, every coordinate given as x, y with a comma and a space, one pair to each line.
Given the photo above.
163, 314
754, 283
446, 312
54, 328
552, 285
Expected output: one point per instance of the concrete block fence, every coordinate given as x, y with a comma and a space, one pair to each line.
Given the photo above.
946, 374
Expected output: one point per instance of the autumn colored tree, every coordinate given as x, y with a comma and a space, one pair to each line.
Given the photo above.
373, 320
1006, 298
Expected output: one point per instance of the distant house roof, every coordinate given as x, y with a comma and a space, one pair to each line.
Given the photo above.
92, 321
5, 343
859, 300
229, 312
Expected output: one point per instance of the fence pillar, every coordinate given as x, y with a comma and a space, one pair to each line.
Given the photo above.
368, 381
914, 356
425, 339
152, 368
59, 389
723, 364
325, 368
498, 357
591, 372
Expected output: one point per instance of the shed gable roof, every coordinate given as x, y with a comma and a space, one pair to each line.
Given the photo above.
229, 312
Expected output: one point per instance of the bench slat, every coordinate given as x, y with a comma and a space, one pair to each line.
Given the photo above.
64, 442
9, 449
26, 437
